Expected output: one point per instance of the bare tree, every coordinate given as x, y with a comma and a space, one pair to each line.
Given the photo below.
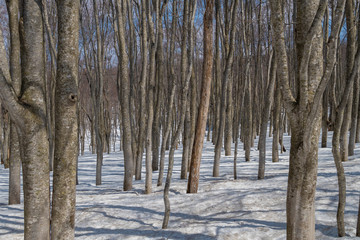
193, 181
15, 72
303, 110
66, 119
29, 115
124, 97
183, 104
265, 115
230, 42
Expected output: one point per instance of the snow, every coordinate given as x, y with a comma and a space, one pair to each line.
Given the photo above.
223, 208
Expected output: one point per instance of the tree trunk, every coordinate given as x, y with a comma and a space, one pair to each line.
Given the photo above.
304, 110
99, 104
183, 104
358, 222
354, 116
124, 95
142, 121
350, 57
31, 124
276, 124
302, 184
66, 118
228, 119
324, 122
15, 72
14, 167
193, 181
357, 137
225, 80
265, 116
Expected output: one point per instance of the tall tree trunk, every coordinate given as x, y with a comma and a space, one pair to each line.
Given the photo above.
171, 78
124, 95
66, 118
15, 72
99, 104
228, 118
304, 111
30, 120
50, 85
142, 121
358, 222
354, 116
183, 105
265, 115
225, 80
33, 137
193, 181
324, 120
350, 55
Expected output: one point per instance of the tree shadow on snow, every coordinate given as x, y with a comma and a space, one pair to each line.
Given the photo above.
89, 231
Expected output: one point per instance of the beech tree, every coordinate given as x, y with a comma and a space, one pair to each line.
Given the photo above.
66, 121
15, 72
28, 112
304, 108
193, 181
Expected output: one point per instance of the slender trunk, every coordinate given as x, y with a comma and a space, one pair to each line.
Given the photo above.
14, 167
358, 222
340, 173
193, 181
124, 94
186, 144
142, 123
354, 116
98, 105
324, 121
225, 80
350, 57
357, 137
183, 105
265, 117
166, 136
228, 119
276, 124
15, 72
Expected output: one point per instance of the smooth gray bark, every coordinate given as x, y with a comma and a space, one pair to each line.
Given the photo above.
66, 122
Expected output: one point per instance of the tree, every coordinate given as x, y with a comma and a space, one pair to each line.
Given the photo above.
303, 109
66, 122
183, 104
193, 181
15, 72
124, 98
229, 52
265, 116
29, 114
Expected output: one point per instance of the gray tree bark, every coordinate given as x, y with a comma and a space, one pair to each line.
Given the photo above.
180, 125
99, 98
15, 72
225, 79
66, 122
265, 115
124, 95
304, 111
29, 115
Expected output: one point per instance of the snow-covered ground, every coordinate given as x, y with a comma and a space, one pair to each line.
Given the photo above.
224, 208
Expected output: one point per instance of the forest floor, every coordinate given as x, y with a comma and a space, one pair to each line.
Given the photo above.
224, 208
